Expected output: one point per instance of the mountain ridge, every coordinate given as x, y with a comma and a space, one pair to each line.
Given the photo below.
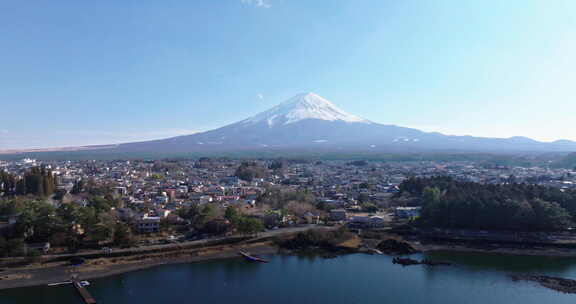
308, 121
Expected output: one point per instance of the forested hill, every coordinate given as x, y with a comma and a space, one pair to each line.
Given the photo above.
519, 207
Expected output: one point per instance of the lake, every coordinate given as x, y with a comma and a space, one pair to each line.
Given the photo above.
357, 278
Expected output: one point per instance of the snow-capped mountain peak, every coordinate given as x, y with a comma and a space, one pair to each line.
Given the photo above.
303, 106
311, 124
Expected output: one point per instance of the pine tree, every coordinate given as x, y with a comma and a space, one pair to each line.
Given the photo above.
21, 187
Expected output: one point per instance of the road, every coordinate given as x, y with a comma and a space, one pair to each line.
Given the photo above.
143, 249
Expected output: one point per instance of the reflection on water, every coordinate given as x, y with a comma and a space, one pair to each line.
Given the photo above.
477, 278
508, 263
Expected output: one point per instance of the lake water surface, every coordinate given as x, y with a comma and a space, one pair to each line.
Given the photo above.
358, 278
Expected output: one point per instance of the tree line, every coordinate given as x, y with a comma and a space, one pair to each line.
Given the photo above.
449, 203
36, 181
251, 170
211, 219
68, 225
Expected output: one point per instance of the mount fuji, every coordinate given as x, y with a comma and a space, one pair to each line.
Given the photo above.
309, 122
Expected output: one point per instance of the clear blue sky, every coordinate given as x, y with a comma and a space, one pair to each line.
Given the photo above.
76, 72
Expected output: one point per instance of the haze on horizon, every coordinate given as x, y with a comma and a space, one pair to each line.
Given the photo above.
79, 73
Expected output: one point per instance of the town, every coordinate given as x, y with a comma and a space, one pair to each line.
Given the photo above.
92, 204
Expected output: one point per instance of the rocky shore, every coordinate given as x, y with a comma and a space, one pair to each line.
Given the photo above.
408, 262
326, 243
396, 247
559, 284
430, 242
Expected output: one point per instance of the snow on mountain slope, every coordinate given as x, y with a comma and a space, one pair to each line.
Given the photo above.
301, 107
308, 121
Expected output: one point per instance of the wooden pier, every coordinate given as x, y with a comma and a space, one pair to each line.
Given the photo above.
86, 296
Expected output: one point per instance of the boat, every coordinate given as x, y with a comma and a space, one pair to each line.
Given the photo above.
375, 251
252, 258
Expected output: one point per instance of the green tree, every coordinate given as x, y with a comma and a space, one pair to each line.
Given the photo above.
100, 203
450, 203
363, 198
78, 187
21, 187
3, 244
550, 216
69, 213
231, 214
45, 222
206, 213
369, 207
250, 170
33, 256
217, 227
13, 247
100, 233
248, 225
123, 235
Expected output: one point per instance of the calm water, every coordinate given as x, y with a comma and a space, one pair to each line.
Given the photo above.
478, 278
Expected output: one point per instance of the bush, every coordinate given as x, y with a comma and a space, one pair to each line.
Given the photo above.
33, 256
318, 238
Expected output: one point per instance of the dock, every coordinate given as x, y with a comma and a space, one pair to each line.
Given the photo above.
86, 296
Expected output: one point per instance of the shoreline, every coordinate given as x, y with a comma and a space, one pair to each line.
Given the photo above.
44, 276
426, 244
52, 272
548, 252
